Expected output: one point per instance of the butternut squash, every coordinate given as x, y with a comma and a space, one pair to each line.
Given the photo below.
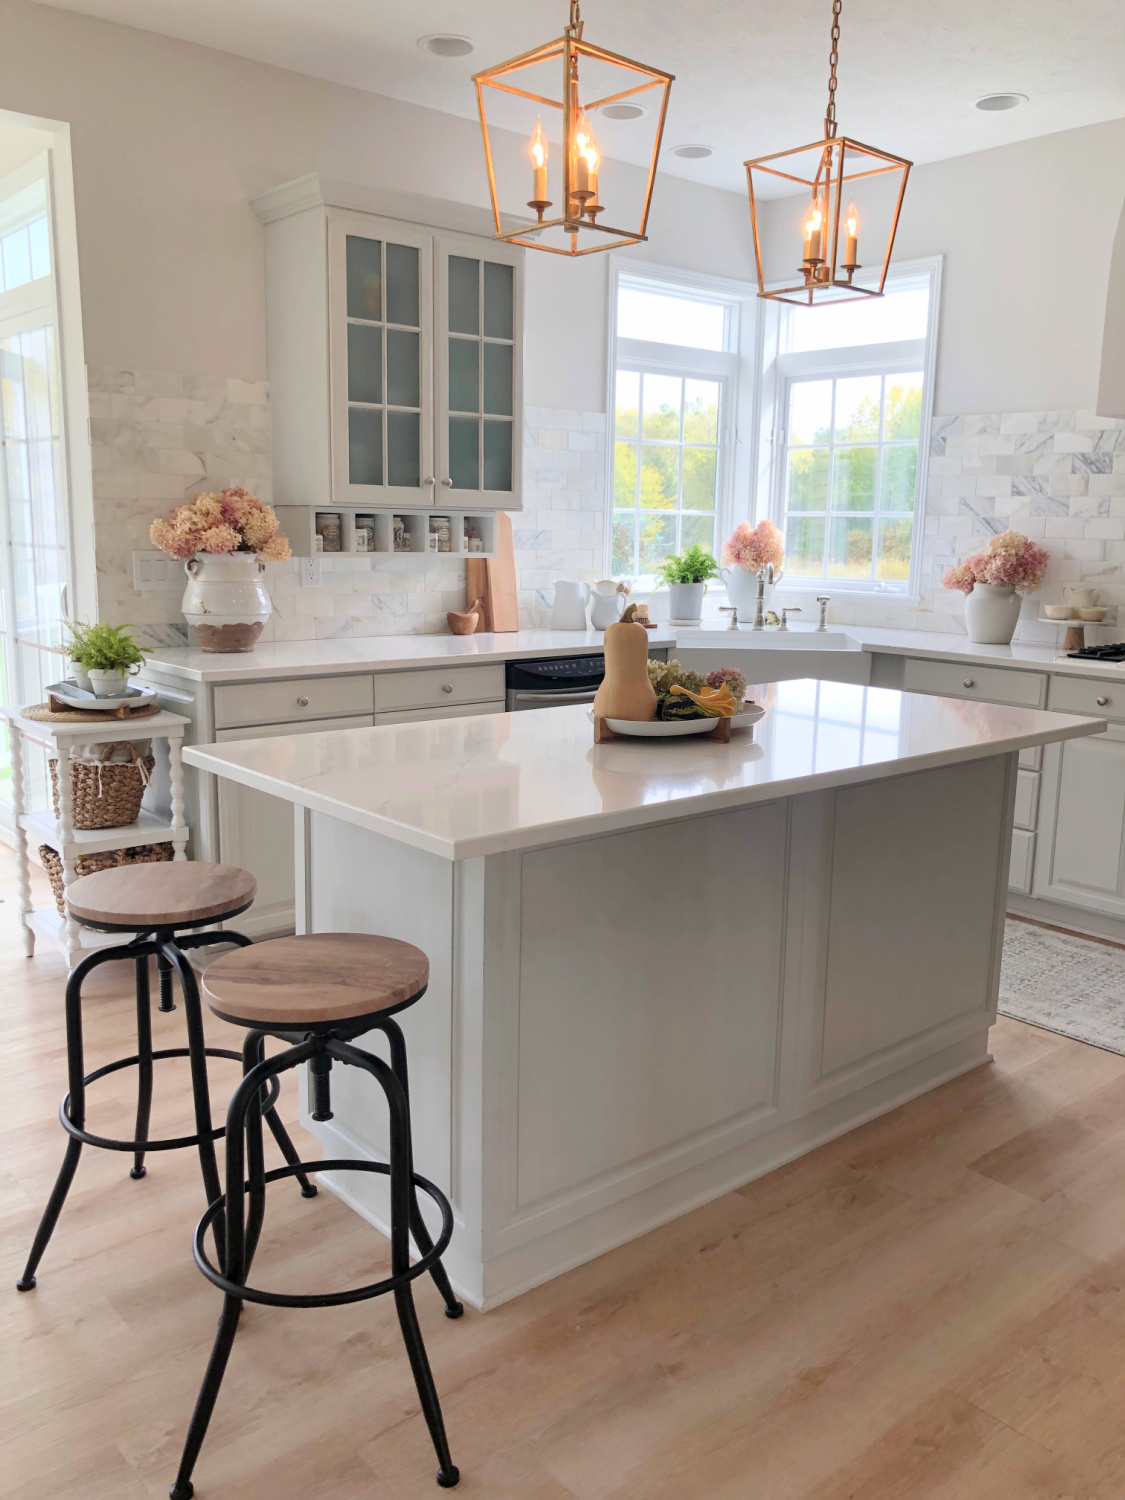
626, 692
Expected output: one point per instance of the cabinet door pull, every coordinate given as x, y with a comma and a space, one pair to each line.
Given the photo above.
302, 702
968, 682
447, 687
1101, 702
447, 482
429, 481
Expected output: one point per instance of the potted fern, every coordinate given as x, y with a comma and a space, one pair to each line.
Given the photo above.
687, 577
110, 655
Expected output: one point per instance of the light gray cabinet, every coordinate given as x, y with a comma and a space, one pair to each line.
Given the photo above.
395, 361
1081, 840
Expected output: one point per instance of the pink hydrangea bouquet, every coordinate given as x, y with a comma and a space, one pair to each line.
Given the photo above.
752, 547
1009, 559
230, 520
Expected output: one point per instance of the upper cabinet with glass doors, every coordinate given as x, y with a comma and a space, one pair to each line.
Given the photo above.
395, 363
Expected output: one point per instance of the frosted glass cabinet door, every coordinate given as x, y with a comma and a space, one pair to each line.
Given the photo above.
380, 295
478, 371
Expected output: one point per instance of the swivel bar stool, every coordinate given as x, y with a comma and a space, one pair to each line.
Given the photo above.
318, 992
155, 902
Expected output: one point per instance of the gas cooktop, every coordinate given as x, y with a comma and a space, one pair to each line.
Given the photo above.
1099, 653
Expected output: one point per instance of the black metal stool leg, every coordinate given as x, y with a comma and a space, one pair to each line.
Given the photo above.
144, 1064
76, 1112
247, 1099
402, 1199
197, 1048
453, 1307
252, 1054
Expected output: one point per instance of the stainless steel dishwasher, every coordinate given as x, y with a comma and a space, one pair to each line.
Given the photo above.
550, 683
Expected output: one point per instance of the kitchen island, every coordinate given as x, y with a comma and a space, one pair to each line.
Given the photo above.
658, 969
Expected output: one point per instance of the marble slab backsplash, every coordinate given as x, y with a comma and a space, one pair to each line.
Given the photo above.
158, 438
1056, 476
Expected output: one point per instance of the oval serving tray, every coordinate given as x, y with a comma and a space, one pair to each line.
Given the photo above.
75, 697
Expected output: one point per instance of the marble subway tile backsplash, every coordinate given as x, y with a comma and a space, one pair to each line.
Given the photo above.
1056, 476
157, 438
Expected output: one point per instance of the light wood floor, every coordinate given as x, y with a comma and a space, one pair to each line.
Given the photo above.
933, 1306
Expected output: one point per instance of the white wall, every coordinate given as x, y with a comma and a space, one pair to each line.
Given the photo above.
171, 141
1027, 232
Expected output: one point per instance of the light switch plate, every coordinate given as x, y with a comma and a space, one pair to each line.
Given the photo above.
157, 572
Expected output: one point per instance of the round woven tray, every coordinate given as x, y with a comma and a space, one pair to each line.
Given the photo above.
40, 713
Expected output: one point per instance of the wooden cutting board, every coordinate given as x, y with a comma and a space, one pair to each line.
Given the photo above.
476, 587
502, 599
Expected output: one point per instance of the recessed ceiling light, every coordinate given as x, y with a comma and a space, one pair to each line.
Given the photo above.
623, 111
992, 102
443, 45
692, 153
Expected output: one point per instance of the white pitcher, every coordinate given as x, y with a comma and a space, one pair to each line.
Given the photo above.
606, 609
569, 609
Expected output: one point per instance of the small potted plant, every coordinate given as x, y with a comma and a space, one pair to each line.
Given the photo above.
994, 582
687, 577
110, 655
749, 550
74, 648
224, 541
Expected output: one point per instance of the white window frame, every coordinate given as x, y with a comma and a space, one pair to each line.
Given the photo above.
780, 368
734, 368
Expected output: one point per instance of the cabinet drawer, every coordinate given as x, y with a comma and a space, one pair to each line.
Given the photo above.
276, 731
1027, 799
291, 699
990, 684
439, 687
1022, 862
458, 711
1077, 695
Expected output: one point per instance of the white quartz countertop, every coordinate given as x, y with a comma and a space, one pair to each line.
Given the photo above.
379, 653
465, 787
389, 653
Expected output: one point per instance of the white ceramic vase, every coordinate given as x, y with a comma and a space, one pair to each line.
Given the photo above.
742, 592
992, 611
685, 603
225, 602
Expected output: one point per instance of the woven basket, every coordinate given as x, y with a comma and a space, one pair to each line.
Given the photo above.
90, 864
104, 795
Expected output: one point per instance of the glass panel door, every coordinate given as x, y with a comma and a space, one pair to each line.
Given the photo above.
380, 290
478, 374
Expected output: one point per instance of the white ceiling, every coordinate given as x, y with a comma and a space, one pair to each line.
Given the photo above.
751, 74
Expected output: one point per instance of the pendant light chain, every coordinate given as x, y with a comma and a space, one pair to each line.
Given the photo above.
833, 62
575, 27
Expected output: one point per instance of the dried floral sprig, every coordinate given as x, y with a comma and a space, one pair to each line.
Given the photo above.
728, 677
1009, 559
230, 520
752, 547
662, 674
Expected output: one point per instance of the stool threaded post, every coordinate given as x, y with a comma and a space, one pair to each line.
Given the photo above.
320, 1067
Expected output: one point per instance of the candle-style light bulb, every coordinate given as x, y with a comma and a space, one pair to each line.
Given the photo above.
539, 157
814, 221
586, 159
851, 223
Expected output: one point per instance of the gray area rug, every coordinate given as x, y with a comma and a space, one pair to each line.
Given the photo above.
1065, 984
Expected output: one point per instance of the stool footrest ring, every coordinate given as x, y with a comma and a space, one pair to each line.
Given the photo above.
178, 1144
326, 1299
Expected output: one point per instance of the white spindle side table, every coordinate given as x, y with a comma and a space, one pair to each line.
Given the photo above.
70, 842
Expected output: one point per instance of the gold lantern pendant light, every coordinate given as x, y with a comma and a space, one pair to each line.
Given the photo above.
591, 78
833, 171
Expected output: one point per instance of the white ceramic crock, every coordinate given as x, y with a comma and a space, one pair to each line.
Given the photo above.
992, 611
225, 602
742, 592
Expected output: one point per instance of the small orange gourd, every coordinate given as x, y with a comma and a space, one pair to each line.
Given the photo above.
626, 692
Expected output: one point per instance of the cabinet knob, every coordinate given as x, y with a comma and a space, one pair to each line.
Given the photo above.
447, 687
430, 480
968, 682
447, 482
1101, 702
302, 702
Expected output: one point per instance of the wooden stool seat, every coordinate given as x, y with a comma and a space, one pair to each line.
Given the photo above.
149, 897
315, 979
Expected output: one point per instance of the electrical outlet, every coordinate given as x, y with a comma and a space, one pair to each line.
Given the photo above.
310, 572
